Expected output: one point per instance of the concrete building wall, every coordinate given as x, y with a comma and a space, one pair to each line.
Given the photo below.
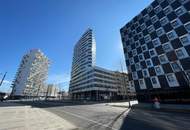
52, 90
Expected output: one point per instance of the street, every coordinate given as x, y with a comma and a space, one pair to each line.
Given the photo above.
91, 117
104, 117
139, 119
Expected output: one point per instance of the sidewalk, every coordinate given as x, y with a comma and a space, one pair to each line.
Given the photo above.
123, 104
18, 117
149, 106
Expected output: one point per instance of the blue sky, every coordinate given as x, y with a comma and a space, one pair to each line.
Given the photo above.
54, 26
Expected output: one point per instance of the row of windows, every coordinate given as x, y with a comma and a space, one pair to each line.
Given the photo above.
93, 85
171, 79
185, 40
176, 67
156, 8
171, 35
181, 53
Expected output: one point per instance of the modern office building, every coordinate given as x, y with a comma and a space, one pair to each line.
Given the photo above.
31, 75
124, 88
87, 80
52, 91
156, 45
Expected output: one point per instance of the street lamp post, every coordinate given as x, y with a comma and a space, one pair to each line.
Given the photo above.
3, 78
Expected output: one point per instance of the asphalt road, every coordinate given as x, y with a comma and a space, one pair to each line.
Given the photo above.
138, 119
103, 117
91, 117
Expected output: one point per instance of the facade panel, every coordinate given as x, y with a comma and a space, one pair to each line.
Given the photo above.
164, 39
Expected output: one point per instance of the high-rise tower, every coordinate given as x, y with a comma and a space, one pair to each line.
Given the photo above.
87, 80
84, 54
31, 75
156, 44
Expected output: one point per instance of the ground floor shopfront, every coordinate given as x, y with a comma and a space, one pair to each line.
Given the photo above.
94, 95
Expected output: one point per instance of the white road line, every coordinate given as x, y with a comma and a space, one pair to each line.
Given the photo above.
98, 123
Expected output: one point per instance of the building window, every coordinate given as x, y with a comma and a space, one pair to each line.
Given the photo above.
160, 31
159, 70
146, 17
171, 1
137, 66
137, 44
126, 56
134, 32
172, 81
144, 47
167, 47
142, 84
147, 38
183, 1
185, 40
164, 21
145, 73
181, 53
176, 67
152, 52
180, 11
155, 82
129, 48
129, 69
132, 84
163, 58
135, 76
187, 26
176, 23
160, 1
172, 35
156, 42
140, 35
143, 26
131, 60
167, 10
154, 19
141, 57
134, 52
149, 63
150, 29
149, 8
158, 9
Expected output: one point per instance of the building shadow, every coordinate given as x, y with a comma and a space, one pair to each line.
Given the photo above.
10, 104
138, 119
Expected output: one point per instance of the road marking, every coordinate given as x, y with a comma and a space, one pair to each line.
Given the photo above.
98, 123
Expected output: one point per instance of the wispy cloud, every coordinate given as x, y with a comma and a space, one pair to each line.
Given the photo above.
58, 78
62, 80
5, 87
6, 82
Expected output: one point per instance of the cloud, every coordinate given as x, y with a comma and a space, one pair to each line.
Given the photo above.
6, 82
59, 78
62, 80
5, 87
